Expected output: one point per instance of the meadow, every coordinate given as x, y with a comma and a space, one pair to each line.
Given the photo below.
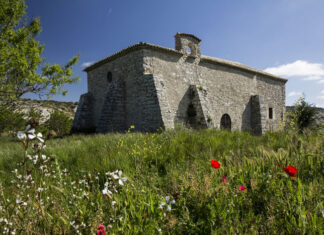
174, 182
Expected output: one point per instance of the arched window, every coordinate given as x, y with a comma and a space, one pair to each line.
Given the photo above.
191, 49
226, 122
109, 76
188, 50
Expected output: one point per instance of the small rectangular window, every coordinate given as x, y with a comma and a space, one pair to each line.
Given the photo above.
270, 113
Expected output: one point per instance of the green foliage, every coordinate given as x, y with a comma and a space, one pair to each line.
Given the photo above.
60, 123
11, 120
34, 115
303, 116
21, 57
175, 164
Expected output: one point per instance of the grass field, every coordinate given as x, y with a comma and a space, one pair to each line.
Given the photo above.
171, 187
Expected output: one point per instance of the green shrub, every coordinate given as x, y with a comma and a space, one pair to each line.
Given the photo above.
303, 115
34, 115
60, 123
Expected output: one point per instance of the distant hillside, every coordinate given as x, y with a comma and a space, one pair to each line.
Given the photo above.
319, 116
47, 107
69, 108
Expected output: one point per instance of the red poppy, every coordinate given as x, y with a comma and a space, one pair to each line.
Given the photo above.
224, 179
278, 164
215, 164
291, 171
101, 230
145, 215
242, 188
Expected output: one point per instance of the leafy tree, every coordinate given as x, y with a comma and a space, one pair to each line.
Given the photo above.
21, 58
303, 116
11, 120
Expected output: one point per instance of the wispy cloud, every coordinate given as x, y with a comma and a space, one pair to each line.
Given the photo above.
321, 96
299, 68
294, 93
86, 64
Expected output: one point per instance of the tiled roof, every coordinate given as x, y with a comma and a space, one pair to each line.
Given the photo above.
143, 45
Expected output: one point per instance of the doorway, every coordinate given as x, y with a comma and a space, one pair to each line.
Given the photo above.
226, 122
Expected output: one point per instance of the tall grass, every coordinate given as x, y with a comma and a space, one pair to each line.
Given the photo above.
176, 164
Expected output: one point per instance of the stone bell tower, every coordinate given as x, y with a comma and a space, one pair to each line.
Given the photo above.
188, 44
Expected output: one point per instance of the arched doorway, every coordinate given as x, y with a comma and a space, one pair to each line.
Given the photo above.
226, 122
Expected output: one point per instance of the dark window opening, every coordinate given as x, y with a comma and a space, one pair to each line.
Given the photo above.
191, 111
226, 122
109, 76
270, 113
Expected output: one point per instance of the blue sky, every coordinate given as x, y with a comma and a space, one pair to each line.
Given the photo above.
284, 37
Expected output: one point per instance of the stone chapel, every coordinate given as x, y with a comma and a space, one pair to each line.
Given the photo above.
152, 87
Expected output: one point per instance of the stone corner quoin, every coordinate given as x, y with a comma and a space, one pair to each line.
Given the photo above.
152, 87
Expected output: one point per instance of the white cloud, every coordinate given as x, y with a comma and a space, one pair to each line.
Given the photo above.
313, 77
322, 92
86, 64
294, 93
320, 97
321, 81
299, 68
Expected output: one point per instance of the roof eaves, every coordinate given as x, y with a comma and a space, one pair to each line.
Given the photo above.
138, 46
143, 45
240, 66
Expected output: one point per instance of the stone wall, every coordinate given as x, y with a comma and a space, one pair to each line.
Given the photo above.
83, 119
126, 69
227, 89
128, 98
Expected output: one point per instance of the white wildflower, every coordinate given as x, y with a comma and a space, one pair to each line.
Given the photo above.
30, 132
35, 159
162, 205
40, 190
43, 157
116, 177
39, 136
113, 203
106, 191
21, 135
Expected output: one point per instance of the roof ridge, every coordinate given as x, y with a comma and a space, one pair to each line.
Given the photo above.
140, 45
